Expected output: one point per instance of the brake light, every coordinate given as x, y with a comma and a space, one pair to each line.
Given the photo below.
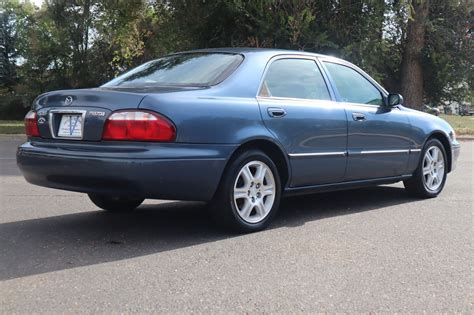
138, 126
31, 125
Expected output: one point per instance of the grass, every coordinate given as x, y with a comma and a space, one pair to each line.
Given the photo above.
12, 127
464, 125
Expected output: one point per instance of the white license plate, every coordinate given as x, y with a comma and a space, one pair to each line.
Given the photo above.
70, 126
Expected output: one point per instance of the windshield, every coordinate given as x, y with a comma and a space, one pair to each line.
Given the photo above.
187, 69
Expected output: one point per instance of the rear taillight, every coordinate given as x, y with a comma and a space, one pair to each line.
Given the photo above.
138, 126
31, 125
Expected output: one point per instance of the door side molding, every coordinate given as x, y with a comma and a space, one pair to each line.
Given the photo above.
341, 153
346, 153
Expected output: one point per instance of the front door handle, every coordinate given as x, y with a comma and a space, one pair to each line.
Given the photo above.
276, 112
358, 116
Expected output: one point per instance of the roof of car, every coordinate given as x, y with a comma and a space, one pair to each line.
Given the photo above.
250, 50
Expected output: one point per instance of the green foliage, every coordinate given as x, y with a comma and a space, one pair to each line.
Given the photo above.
449, 52
84, 43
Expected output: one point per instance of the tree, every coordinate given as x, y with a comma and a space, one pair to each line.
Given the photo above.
13, 20
13, 16
422, 48
448, 57
412, 61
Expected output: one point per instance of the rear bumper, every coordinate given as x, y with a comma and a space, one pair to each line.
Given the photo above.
162, 171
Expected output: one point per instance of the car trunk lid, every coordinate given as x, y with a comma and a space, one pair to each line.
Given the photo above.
104, 98
80, 114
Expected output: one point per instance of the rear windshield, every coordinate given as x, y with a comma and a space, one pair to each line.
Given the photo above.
188, 69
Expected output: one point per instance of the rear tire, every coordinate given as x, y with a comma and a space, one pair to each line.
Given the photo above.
115, 204
430, 176
249, 193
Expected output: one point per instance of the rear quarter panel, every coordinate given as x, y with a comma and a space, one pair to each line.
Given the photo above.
210, 119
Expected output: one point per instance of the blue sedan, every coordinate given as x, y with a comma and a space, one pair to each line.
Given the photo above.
239, 128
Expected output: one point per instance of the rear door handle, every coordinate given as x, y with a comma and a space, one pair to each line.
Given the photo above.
358, 116
276, 112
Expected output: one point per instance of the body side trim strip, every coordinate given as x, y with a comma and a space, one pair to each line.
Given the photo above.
342, 153
383, 151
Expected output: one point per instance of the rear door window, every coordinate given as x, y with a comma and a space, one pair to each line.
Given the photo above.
294, 78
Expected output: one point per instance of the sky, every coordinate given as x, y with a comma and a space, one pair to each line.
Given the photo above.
37, 2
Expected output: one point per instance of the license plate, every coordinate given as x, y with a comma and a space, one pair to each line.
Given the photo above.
70, 126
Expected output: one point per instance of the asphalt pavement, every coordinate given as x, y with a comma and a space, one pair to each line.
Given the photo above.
368, 250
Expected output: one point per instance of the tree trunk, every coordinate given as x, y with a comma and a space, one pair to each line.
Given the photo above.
412, 70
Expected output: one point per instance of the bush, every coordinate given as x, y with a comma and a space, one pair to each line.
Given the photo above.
13, 107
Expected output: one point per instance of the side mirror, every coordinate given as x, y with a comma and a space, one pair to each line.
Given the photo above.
394, 100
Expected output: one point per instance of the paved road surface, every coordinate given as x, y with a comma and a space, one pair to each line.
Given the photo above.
372, 249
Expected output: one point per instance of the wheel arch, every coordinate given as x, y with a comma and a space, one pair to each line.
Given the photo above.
444, 139
272, 149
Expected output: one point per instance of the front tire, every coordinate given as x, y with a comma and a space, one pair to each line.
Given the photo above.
249, 193
115, 204
430, 176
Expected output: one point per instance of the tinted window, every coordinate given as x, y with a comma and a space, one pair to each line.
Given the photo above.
352, 86
294, 78
191, 69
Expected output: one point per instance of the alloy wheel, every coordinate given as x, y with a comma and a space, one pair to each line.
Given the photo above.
254, 191
433, 168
